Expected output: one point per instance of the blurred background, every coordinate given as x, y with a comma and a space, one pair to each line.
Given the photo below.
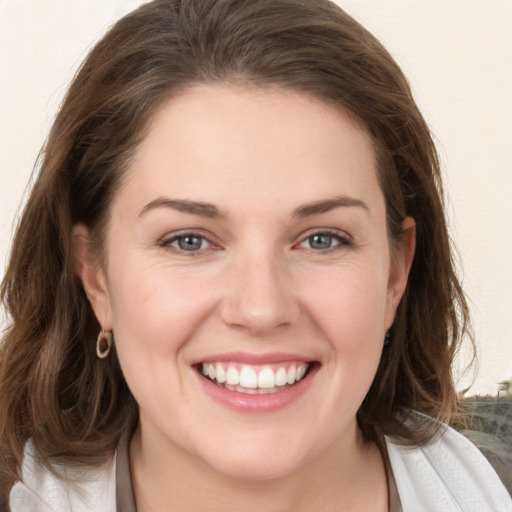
457, 55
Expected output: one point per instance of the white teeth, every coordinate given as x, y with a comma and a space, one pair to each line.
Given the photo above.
291, 375
266, 379
220, 374
232, 376
249, 379
281, 377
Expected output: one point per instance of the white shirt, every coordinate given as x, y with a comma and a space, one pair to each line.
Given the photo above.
447, 475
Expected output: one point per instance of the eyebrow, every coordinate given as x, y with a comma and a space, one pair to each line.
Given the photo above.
193, 207
212, 212
319, 207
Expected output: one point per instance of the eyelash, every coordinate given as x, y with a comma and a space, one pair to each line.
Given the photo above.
343, 241
167, 243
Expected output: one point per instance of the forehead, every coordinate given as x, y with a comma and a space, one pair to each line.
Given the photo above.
251, 143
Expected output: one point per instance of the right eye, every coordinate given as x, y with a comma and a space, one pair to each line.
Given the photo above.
187, 242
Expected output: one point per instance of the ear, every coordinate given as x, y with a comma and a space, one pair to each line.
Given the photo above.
91, 274
401, 261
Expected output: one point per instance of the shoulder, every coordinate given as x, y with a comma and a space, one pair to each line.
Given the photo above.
42, 491
448, 474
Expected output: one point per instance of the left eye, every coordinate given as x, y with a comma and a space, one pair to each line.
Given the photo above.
323, 241
189, 243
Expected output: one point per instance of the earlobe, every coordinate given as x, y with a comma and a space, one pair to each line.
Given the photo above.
91, 275
401, 262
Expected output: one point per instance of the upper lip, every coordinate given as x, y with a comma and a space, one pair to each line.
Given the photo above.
254, 359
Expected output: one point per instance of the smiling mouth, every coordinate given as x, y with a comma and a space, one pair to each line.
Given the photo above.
254, 380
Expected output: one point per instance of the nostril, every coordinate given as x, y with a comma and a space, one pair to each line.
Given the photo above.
256, 319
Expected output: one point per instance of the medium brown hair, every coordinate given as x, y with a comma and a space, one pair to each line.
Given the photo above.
53, 387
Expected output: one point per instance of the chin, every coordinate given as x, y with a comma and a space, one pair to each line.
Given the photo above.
254, 462
257, 469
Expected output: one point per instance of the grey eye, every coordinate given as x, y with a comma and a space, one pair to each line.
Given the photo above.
320, 241
190, 242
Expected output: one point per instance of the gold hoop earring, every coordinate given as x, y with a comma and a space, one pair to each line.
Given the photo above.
104, 344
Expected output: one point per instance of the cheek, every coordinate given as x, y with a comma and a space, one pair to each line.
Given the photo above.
350, 305
155, 314
156, 310
350, 312
348, 308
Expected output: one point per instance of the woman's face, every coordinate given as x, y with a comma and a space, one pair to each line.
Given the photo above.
248, 243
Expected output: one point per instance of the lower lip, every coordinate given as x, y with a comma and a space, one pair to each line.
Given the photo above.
268, 402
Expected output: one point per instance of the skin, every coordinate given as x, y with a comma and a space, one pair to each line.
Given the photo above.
257, 284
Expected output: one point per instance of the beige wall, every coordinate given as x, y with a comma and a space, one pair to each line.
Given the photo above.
458, 56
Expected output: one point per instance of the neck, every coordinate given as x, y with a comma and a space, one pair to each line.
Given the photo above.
337, 480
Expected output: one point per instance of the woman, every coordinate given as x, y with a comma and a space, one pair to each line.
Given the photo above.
232, 287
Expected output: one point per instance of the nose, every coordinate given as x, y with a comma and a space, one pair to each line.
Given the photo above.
259, 299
